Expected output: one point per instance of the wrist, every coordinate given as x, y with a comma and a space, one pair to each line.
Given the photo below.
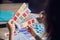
11, 32
35, 35
11, 36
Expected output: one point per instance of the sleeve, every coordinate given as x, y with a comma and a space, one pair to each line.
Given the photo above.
38, 38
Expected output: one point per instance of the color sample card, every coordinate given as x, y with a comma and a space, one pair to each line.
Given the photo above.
38, 28
21, 15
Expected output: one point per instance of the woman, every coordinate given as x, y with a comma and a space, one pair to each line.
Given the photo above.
50, 17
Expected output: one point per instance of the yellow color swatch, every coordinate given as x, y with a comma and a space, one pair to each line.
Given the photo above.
25, 24
22, 8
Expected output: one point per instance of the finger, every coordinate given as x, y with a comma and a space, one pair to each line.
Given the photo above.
29, 30
10, 21
29, 27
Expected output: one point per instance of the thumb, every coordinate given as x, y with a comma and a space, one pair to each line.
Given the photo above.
11, 22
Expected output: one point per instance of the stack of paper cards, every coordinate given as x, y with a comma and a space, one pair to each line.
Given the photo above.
21, 15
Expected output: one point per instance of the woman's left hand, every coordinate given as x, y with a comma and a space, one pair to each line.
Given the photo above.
11, 26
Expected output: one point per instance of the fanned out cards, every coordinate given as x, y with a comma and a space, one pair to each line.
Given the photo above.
23, 18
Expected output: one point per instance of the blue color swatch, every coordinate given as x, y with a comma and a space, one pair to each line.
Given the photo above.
39, 28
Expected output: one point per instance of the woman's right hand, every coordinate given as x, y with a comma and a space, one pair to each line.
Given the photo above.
30, 29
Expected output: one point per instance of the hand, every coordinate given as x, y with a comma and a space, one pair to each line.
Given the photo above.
11, 26
30, 29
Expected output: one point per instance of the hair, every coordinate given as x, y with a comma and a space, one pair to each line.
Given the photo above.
51, 12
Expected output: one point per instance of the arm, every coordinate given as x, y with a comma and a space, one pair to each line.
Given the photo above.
11, 27
37, 37
11, 37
